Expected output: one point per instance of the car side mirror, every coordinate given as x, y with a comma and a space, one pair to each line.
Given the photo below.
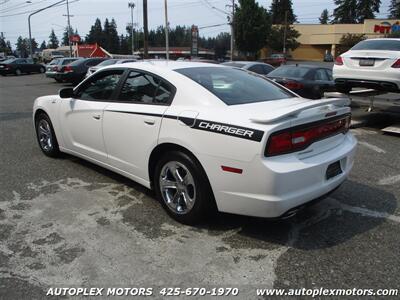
66, 93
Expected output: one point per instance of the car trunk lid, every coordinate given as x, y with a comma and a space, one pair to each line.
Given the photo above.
370, 59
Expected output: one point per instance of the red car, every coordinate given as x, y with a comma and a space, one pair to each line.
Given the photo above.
276, 59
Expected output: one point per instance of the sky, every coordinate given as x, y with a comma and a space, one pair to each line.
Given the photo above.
203, 13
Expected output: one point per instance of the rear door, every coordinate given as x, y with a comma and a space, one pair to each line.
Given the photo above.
82, 116
132, 121
322, 79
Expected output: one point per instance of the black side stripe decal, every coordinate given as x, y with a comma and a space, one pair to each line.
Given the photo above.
215, 127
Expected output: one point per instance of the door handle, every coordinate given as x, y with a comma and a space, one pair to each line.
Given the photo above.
149, 121
97, 117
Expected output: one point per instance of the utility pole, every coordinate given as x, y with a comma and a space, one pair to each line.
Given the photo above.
285, 32
232, 20
145, 31
132, 6
166, 30
29, 23
69, 30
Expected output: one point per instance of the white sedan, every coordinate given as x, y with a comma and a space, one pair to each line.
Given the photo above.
373, 63
203, 136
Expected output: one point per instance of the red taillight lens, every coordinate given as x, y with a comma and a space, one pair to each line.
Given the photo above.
293, 85
67, 69
396, 64
295, 139
339, 61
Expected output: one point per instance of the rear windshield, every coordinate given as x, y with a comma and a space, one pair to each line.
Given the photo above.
388, 45
77, 62
234, 86
287, 71
234, 64
67, 61
108, 62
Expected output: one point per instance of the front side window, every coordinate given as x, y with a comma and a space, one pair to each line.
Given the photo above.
101, 87
145, 88
233, 86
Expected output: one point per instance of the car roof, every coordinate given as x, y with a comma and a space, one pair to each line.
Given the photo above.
169, 65
309, 66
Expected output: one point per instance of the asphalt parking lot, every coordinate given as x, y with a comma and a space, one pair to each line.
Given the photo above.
66, 222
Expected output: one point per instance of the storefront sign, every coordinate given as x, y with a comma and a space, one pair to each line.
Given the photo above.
386, 27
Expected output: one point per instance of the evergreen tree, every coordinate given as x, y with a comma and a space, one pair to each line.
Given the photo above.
110, 36
221, 44
22, 46
278, 10
252, 25
394, 9
5, 46
43, 45
275, 40
345, 12
366, 9
66, 34
95, 34
53, 40
324, 18
124, 46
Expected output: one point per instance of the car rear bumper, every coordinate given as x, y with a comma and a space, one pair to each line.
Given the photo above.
273, 187
4, 71
51, 74
387, 79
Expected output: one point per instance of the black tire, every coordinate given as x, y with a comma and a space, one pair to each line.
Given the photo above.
204, 203
58, 80
17, 72
42, 70
317, 94
51, 148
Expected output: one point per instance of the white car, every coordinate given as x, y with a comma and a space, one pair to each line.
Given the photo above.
373, 63
203, 136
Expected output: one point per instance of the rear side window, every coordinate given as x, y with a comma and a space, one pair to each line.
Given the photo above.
321, 75
145, 88
234, 86
388, 45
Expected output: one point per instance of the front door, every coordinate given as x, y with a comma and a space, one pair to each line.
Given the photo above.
82, 116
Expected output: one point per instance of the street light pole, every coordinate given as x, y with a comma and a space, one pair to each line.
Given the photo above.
166, 29
29, 23
285, 32
132, 6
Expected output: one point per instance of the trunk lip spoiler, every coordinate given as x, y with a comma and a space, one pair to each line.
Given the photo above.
272, 116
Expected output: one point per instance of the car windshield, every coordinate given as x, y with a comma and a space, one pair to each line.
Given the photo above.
388, 45
289, 71
234, 86
107, 62
234, 64
9, 61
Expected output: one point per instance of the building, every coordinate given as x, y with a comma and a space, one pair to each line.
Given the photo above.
316, 39
177, 52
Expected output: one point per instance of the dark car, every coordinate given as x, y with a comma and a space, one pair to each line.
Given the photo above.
75, 72
306, 80
54, 67
256, 67
19, 66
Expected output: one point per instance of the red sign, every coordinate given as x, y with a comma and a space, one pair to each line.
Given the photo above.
75, 38
386, 27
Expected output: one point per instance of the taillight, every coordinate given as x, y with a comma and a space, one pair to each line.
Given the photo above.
299, 138
396, 64
55, 68
293, 85
339, 61
67, 69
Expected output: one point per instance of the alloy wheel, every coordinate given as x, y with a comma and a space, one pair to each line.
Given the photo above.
177, 187
45, 135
